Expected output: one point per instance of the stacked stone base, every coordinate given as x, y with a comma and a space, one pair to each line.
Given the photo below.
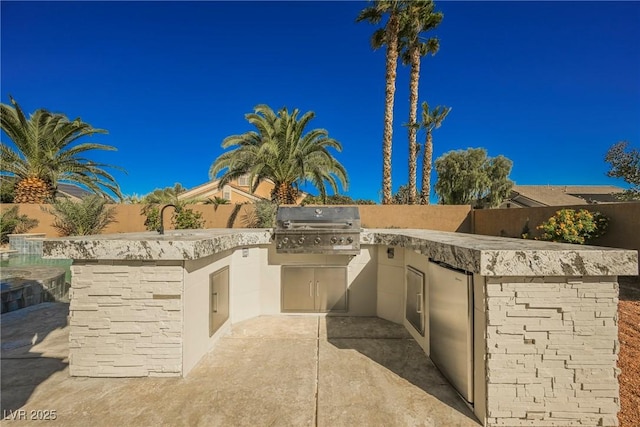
125, 319
552, 347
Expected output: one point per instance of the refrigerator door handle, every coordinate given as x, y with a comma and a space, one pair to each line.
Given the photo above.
419, 303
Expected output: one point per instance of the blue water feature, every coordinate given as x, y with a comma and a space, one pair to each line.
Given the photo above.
26, 260
28, 279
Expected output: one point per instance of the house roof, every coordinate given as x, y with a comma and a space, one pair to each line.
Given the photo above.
212, 186
73, 191
560, 195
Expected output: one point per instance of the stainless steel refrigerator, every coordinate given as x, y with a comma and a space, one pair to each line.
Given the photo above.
451, 325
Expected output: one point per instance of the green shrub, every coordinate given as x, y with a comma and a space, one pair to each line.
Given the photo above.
570, 226
265, 214
13, 223
187, 219
152, 214
7, 186
182, 218
88, 216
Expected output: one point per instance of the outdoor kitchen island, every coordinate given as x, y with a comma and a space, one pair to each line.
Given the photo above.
544, 338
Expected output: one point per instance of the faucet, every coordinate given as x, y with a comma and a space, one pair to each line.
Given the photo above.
161, 230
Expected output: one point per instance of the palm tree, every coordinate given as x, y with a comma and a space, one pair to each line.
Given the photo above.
281, 151
387, 36
420, 16
430, 120
44, 155
165, 195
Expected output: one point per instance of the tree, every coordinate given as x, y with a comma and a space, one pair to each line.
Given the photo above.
419, 16
88, 216
431, 119
470, 177
625, 165
46, 155
281, 151
386, 36
402, 197
164, 195
336, 199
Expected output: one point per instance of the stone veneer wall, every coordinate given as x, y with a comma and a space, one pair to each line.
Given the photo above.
551, 351
126, 319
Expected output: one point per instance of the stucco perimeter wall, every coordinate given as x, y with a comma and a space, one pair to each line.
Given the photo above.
129, 218
430, 217
125, 319
551, 350
623, 231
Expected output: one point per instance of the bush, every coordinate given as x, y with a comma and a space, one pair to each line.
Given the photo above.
13, 223
182, 217
88, 216
7, 186
570, 226
265, 212
152, 214
187, 219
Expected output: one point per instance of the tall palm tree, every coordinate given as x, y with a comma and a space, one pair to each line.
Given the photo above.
431, 119
387, 36
45, 155
281, 151
420, 16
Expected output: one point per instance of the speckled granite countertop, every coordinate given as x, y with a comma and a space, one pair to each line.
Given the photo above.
486, 255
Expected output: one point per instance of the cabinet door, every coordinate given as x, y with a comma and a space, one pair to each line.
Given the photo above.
414, 306
298, 291
218, 299
331, 289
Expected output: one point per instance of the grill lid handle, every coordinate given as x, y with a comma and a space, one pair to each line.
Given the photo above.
346, 224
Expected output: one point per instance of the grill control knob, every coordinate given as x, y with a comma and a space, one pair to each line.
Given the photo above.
334, 240
349, 240
301, 240
317, 240
285, 240
341, 240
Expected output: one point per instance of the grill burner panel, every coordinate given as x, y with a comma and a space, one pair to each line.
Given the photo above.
323, 230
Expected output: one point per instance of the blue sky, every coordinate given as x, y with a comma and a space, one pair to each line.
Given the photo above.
550, 85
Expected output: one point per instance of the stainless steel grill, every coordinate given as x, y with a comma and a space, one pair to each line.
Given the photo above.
320, 230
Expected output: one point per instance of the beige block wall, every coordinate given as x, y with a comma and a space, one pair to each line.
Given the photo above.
623, 231
129, 218
551, 350
125, 319
431, 217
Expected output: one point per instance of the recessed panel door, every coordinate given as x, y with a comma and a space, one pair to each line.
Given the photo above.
298, 289
218, 299
414, 307
331, 289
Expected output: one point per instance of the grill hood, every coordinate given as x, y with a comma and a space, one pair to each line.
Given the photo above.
318, 229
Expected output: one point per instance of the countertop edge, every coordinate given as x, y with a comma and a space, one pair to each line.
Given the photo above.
456, 249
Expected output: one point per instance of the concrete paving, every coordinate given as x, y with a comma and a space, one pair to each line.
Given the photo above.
269, 371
